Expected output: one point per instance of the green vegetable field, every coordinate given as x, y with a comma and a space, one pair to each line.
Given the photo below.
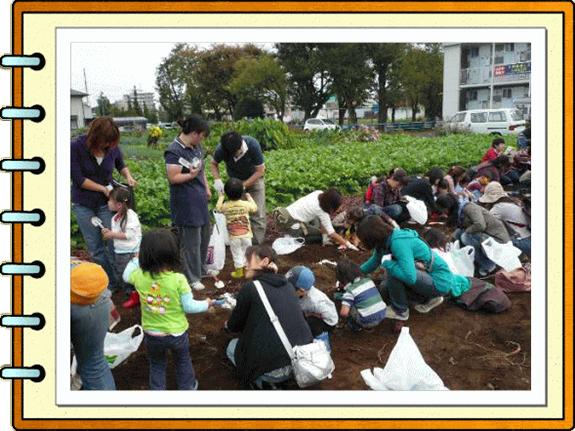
311, 162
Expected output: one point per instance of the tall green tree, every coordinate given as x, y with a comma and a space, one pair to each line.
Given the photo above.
104, 106
309, 85
136, 104
421, 78
384, 59
176, 82
348, 65
217, 68
261, 78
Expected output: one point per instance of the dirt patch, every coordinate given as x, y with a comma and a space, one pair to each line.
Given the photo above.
468, 350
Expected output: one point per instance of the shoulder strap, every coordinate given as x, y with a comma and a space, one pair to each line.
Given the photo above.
274, 319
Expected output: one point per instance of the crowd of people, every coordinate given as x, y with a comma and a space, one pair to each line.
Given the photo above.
160, 270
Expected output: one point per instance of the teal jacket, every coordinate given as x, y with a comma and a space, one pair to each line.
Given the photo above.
406, 246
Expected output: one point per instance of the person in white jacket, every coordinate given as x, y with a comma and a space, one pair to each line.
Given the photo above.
319, 311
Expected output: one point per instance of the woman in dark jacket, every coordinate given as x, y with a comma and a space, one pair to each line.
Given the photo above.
93, 159
475, 225
258, 353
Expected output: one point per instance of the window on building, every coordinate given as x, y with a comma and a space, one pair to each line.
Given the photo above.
472, 95
73, 122
499, 47
478, 117
474, 51
497, 116
499, 60
507, 93
509, 47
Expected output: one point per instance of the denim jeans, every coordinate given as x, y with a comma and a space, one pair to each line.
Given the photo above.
100, 252
522, 244
230, 352
88, 328
157, 348
401, 293
482, 262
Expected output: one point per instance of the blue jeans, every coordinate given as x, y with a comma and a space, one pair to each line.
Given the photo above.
482, 262
522, 244
88, 328
180, 347
93, 238
401, 293
230, 352
393, 210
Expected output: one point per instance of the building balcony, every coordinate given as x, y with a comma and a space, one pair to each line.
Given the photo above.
502, 73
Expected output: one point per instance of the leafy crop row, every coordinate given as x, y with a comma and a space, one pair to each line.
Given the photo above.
312, 165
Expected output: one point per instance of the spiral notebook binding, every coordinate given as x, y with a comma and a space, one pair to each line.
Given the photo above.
35, 61
36, 217
35, 165
35, 113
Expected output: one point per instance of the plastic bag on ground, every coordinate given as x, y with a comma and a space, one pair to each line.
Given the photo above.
287, 244
417, 209
405, 370
117, 348
505, 255
459, 260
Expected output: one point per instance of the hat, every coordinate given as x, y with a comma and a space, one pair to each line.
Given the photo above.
87, 281
493, 192
301, 277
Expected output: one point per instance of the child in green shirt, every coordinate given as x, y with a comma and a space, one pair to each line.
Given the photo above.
165, 298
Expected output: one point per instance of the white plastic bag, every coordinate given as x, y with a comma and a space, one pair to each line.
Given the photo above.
287, 244
221, 222
505, 255
117, 347
312, 363
459, 260
417, 210
216, 258
405, 370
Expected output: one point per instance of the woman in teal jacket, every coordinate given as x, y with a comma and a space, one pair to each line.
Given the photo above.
406, 282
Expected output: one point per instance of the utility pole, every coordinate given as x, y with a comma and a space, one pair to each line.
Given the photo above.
86, 90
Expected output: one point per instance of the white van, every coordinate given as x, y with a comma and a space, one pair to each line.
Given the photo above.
504, 121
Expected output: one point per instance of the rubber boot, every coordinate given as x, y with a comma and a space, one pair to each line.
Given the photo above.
133, 301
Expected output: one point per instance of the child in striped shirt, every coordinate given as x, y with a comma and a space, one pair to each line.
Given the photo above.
361, 302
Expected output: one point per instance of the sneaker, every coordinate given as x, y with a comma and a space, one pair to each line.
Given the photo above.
426, 308
390, 313
238, 273
197, 285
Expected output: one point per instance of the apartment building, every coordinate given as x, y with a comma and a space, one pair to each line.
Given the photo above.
143, 98
486, 75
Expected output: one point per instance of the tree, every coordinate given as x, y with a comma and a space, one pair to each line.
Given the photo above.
137, 108
104, 106
176, 82
260, 78
217, 68
384, 58
248, 108
421, 77
348, 66
308, 84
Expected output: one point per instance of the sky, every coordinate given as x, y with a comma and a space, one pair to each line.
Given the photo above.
115, 68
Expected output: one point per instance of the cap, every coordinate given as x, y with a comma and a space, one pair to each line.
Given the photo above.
493, 192
301, 277
87, 281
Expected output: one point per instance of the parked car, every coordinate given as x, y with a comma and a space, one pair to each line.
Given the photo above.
166, 125
504, 121
319, 124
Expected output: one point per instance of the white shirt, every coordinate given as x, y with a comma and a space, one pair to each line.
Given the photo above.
133, 231
307, 209
317, 302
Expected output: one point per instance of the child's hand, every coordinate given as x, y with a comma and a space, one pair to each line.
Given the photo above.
107, 233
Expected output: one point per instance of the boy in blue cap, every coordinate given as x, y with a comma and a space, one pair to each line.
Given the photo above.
318, 309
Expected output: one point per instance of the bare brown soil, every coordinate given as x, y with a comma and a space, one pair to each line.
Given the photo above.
468, 350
